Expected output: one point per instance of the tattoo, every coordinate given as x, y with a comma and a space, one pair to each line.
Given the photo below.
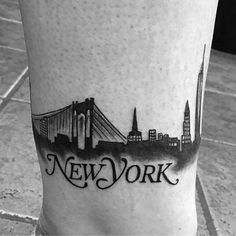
80, 173
72, 137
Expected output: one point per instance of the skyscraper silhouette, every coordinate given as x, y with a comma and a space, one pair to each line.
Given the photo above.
134, 134
186, 137
199, 94
152, 135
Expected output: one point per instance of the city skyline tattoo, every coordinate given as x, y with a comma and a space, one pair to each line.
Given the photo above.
81, 129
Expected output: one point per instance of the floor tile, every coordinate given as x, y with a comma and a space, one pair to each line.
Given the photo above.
221, 79
20, 180
11, 35
23, 92
219, 117
10, 9
11, 65
8, 227
217, 169
222, 72
222, 59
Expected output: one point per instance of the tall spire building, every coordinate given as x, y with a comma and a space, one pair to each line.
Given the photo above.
186, 137
134, 135
199, 95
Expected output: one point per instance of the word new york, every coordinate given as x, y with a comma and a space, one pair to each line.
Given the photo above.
78, 174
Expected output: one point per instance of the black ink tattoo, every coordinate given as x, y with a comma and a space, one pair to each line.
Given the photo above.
82, 130
79, 174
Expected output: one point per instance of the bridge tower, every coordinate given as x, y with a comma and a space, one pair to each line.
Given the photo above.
82, 124
89, 124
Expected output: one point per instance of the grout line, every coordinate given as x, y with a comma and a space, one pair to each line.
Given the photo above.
20, 100
15, 86
221, 66
10, 20
12, 48
220, 92
219, 141
206, 211
14, 3
18, 217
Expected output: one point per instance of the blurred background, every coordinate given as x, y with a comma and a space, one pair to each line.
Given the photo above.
20, 180
225, 30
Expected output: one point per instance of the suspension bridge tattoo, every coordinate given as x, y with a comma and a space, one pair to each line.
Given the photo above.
83, 144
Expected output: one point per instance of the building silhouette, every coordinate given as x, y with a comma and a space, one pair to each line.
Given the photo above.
199, 96
84, 127
152, 135
134, 135
186, 137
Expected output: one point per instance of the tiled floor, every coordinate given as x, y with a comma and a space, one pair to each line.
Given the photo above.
21, 191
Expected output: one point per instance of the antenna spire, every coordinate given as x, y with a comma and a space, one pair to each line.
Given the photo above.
135, 124
203, 57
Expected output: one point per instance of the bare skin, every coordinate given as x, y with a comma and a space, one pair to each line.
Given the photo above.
147, 55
